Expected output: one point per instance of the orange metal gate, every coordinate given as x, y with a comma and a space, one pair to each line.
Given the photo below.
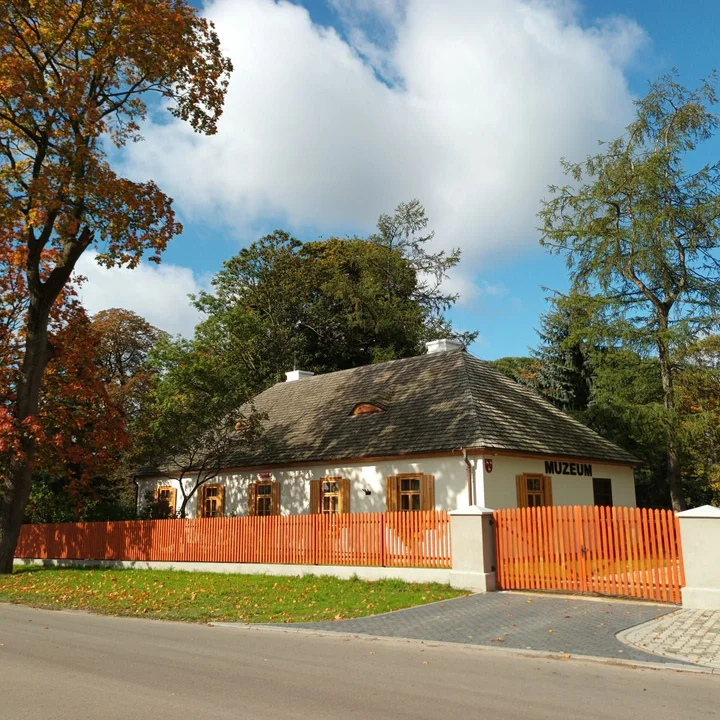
628, 552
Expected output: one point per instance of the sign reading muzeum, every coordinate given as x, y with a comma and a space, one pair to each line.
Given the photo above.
554, 467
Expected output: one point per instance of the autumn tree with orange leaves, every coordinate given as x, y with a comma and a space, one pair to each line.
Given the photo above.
80, 427
75, 74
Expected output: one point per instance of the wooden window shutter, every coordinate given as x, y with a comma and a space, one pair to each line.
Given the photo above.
427, 492
522, 496
172, 500
221, 500
315, 488
344, 503
201, 502
546, 489
252, 499
392, 494
275, 498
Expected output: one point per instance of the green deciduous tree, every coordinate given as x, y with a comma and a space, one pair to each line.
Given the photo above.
124, 342
330, 304
196, 415
640, 230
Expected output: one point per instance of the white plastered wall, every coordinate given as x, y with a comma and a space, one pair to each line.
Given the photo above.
501, 489
450, 483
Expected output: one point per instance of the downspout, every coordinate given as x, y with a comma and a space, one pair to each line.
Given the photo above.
469, 476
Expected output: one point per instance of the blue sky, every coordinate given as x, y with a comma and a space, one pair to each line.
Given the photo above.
352, 143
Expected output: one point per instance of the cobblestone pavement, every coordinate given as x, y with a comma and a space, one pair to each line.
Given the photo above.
689, 635
571, 625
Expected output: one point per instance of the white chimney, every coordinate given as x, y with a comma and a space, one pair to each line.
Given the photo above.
298, 375
444, 345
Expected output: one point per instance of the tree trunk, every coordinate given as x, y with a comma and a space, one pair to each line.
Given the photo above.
15, 489
14, 497
674, 476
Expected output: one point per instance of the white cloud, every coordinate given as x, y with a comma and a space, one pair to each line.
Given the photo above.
484, 98
156, 292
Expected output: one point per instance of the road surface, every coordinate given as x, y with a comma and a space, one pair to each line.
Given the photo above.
64, 666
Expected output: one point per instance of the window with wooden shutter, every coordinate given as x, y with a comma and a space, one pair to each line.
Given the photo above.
166, 500
315, 495
252, 499
522, 500
533, 490
201, 502
263, 499
344, 495
211, 501
329, 496
275, 495
427, 492
546, 486
410, 491
392, 496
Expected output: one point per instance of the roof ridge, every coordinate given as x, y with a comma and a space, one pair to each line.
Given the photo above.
372, 365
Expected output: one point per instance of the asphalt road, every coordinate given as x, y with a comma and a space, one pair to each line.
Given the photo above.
62, 665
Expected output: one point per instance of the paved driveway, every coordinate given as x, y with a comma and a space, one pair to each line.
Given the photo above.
578, 626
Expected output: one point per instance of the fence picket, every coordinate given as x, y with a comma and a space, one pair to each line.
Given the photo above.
401, 539
629, 552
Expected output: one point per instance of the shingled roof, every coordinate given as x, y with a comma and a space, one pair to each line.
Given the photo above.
431, 403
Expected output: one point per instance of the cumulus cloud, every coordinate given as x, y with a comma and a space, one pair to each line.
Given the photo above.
156, 292
465, 104
485, 97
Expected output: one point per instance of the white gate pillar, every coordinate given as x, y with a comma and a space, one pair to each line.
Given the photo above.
700, 536
473, 549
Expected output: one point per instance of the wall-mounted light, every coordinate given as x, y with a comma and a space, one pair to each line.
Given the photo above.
367, 491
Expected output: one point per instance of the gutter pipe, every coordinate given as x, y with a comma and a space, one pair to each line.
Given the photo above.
469, 476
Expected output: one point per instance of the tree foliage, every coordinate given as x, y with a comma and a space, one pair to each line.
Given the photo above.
568, 351
622, 397
197, 414
95, 383
74, 77
640, 231
330, 304
124, 342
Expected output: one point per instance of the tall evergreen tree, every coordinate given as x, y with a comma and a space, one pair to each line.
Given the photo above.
567, 353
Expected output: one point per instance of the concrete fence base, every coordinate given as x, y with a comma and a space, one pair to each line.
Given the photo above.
473, 549
344, 572
700, 535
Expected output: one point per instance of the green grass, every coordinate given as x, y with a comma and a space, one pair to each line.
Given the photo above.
213, 597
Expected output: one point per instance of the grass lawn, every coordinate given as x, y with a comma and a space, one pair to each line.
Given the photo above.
206, 597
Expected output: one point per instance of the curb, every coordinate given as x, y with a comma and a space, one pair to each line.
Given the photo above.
622, 636
543, 654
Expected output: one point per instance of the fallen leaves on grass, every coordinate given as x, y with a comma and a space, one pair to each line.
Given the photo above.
200, 597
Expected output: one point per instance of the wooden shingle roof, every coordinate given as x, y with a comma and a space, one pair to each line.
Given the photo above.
431, 403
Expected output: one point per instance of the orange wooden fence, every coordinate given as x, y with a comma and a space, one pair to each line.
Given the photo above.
630, 552
403, 539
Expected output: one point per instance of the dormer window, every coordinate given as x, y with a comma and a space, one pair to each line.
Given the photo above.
365, 409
